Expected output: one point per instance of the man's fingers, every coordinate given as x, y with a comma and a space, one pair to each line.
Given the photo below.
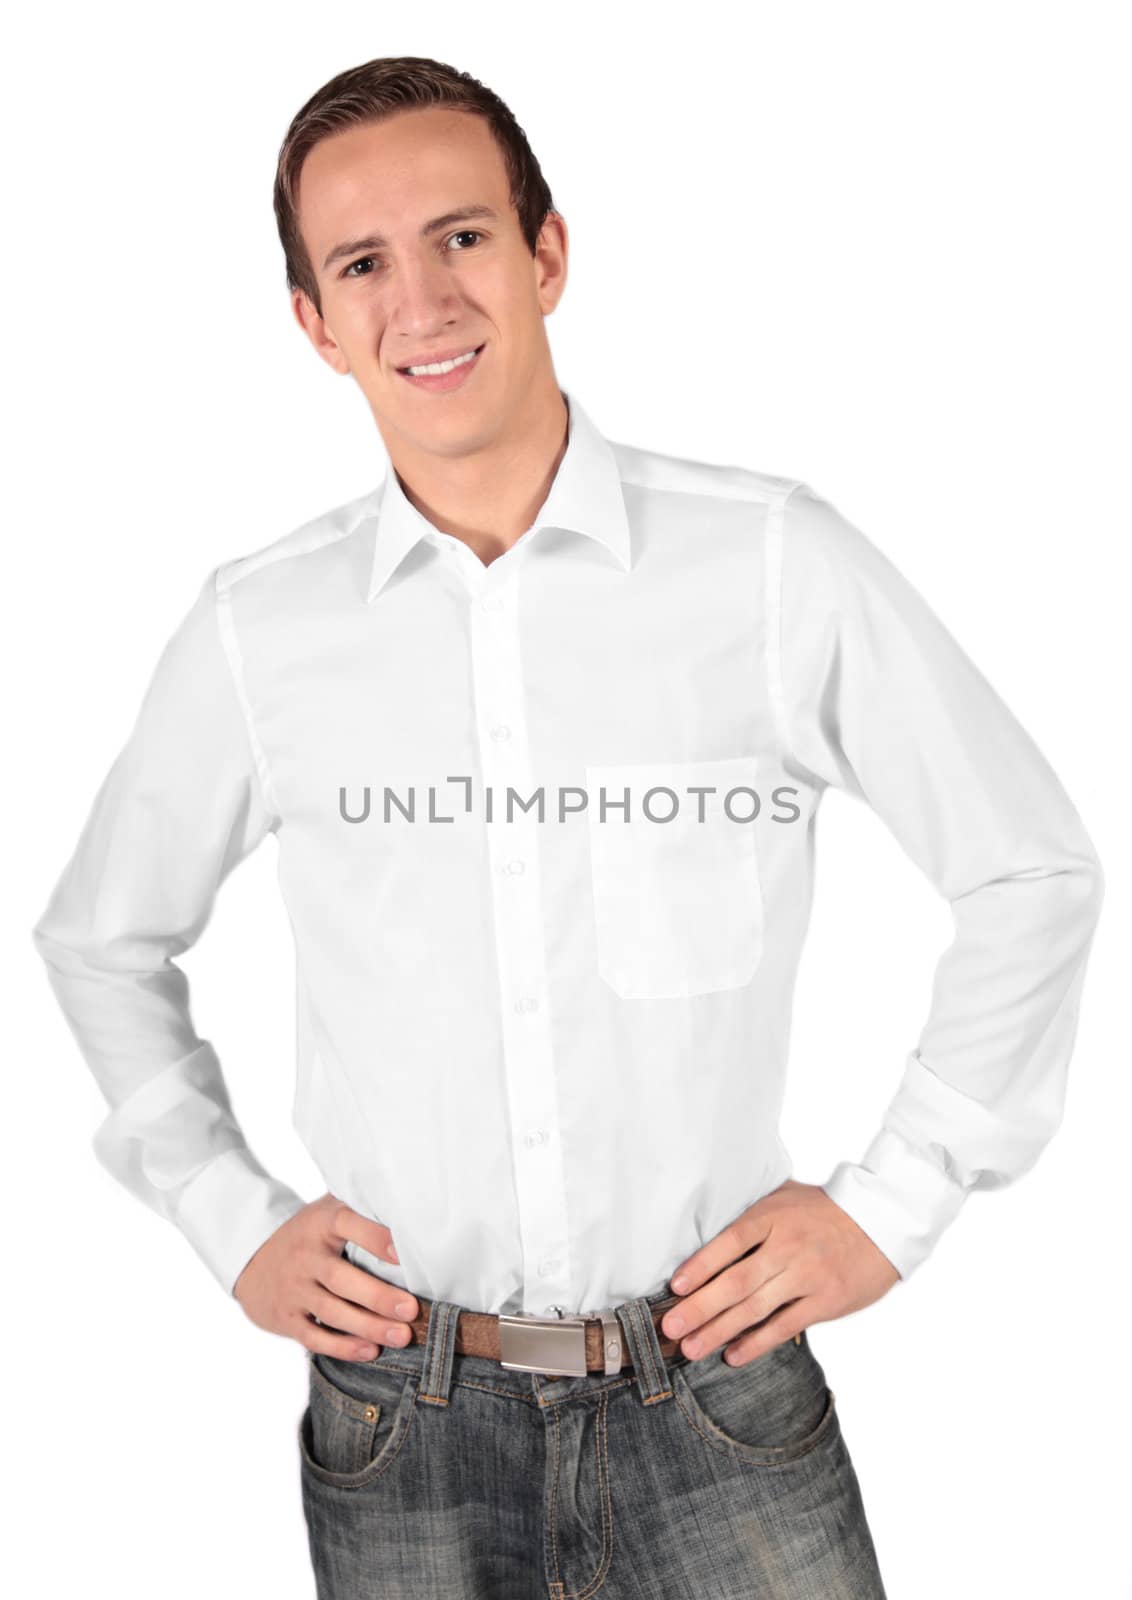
375, 1237
788, 1322
734, 1318
738, 1239
325, 1342
734, 1279
344, 1316
343, 1279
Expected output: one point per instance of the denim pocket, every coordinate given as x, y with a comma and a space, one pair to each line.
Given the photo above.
678, 903
772, 1411
356, 1419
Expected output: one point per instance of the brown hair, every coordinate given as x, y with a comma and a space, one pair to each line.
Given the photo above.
378, 89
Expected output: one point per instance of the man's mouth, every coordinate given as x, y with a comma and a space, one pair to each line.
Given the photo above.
443, 377
438, 369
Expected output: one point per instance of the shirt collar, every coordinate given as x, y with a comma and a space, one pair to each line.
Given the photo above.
585, 496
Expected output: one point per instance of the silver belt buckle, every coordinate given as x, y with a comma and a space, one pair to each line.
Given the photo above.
555, 1345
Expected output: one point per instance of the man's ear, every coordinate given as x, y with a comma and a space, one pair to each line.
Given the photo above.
317, 331
552, 251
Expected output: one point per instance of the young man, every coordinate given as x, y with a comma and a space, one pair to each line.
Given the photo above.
541, 726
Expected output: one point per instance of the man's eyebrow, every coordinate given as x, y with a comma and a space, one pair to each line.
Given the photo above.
374, 241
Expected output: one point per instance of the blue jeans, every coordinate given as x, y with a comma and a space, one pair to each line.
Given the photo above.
428, 1473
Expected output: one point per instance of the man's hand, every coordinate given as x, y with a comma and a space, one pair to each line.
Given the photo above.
299, 1274
810, 1263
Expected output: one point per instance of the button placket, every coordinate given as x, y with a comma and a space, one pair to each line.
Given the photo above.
517, 903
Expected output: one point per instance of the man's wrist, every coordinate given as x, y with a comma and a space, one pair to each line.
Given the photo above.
900, 1199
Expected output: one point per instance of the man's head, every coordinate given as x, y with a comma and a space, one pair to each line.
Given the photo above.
416, 224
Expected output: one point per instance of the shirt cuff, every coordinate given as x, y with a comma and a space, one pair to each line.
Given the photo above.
230, 1208
901, 1200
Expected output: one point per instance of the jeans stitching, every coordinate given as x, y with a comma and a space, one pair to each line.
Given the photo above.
605, 1560
642, 1353
514, 1394
332, 1480
558, 1581
436, 1361
737, 1451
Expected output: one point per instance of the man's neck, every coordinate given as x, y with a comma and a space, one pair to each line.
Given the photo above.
490, 497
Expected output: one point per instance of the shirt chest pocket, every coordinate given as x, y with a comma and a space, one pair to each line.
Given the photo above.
677, 903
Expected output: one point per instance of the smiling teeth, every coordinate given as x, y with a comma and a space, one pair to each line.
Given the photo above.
437, 367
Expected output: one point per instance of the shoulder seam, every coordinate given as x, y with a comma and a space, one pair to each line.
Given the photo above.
662, 472
772, 614
226, 627
234, 570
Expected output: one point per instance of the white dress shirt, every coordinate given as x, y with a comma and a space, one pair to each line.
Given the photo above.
549, 1050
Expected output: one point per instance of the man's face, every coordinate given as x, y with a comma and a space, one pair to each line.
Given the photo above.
417, 297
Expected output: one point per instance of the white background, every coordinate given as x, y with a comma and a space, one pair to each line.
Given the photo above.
882, 247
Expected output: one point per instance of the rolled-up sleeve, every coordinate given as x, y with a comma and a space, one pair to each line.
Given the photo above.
182, 805
879, 700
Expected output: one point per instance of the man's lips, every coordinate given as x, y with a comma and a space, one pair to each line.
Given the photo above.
444, 382
431, 361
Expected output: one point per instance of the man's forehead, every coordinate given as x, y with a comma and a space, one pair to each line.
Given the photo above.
408, 146
393, 190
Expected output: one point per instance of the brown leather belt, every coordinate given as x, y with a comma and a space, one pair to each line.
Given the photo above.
567, 1346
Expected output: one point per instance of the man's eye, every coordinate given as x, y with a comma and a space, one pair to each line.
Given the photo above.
348, 272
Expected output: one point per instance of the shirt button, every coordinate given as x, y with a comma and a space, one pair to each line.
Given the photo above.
502, 732
547, 1267
537, 1136
490, 602
516, 867
527, 1003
